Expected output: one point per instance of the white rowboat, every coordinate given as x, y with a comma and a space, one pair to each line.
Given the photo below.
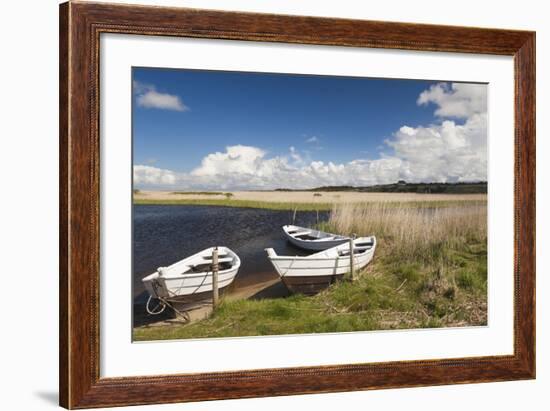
310, 274
310, 239
193, 275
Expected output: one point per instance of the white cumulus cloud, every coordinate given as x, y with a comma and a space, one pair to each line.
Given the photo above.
452, 149
443, 152
236, 160
460, 100
147, 96
148, 175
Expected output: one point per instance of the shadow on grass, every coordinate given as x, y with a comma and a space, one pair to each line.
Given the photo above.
277, 290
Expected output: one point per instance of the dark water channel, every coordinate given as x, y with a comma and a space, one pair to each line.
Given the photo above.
164, 234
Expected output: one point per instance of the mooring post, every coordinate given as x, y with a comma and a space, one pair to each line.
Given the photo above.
215, 291
294, 216
351, 258
317, 216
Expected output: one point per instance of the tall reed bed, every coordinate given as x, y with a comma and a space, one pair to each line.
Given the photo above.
415, 232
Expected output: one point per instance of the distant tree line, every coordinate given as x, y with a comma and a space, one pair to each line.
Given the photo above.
403, 187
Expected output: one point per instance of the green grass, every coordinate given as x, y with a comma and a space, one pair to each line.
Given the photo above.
300, 206
391, 293
239, 203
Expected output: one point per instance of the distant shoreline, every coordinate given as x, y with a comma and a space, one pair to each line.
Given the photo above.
473, 187
302, 200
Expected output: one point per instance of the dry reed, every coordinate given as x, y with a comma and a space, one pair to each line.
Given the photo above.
412, 231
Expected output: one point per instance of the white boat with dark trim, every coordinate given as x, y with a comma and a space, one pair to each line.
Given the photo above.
310, 239
312, 273
193, 275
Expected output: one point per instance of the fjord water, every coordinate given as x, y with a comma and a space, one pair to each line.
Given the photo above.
164, 234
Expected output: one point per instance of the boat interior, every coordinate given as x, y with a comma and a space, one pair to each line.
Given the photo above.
358, 248
202, 263
306, 235
206, 267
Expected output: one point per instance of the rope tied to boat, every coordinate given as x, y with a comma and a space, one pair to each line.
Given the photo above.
163, 303
156, 310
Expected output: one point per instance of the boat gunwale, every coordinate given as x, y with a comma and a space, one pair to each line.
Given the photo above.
328, 237
314, 257
307, 258
199, 274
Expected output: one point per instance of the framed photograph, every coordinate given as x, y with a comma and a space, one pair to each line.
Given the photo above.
259, 205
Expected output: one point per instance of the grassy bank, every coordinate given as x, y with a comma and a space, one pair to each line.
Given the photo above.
302, 206
430, 270
239, 203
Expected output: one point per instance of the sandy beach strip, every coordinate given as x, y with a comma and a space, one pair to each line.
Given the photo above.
308, 196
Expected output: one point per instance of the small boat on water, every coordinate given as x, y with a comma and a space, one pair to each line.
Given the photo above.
192, 275
310, 239
312, 273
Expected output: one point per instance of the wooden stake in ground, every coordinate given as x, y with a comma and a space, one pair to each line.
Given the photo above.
352, 268
215, 291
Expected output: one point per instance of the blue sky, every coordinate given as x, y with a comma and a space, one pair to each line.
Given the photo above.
181, 117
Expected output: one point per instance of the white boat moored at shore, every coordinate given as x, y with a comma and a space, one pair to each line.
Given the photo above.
310, 274
193, 275
310, 239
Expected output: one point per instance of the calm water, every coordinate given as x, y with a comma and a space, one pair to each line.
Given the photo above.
164, 234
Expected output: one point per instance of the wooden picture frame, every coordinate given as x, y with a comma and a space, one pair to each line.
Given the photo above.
80, 27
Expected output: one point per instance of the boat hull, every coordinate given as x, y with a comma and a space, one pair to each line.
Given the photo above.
310, 285
311, 274
189, 285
